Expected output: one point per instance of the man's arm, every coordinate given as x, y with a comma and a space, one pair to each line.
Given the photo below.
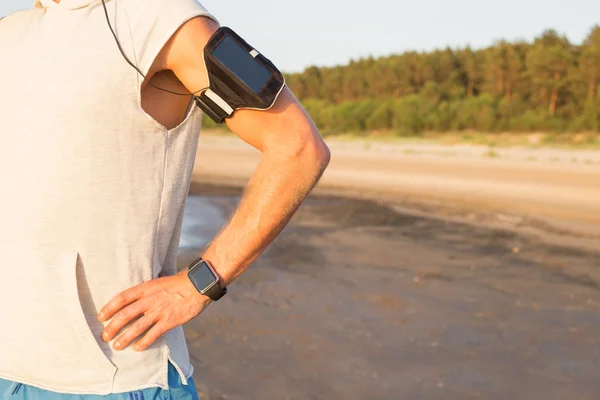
294, 157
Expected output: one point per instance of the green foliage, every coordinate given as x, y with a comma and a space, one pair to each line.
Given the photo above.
409, 115
591, 115
530, 121
477, 113
547, 85
381, 117
208, 123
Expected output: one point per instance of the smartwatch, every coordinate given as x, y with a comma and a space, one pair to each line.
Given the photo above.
205, 279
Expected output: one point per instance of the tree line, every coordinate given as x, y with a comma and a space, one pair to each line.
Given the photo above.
547, 85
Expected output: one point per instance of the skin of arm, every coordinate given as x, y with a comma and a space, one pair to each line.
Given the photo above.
294, 157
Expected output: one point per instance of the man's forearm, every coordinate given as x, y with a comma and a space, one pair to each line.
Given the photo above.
283, 179
280, 183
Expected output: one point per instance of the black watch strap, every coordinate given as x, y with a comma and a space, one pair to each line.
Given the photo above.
216, 292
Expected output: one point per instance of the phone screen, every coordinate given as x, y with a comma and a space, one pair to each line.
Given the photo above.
235, 58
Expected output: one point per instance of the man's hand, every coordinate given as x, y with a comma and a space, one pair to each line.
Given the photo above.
155, 306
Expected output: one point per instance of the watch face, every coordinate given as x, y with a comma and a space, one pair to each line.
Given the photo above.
202, 276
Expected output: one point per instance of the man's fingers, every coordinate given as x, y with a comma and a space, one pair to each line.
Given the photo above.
119, 301
150, 337
133, 331
123, 317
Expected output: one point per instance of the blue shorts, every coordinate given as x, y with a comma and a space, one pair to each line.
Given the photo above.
177, 391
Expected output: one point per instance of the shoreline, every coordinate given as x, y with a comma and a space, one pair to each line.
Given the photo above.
546, 231
552, 201
530, 151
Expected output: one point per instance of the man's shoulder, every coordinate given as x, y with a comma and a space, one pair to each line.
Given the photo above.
167, 6
157, 24
19, 18
185, 48
165, 15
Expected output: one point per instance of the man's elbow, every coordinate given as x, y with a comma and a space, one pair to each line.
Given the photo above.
311, 150
318, 151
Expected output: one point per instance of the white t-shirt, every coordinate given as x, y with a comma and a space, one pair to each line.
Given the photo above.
92, 193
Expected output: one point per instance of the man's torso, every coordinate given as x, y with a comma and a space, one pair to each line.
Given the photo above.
95, 174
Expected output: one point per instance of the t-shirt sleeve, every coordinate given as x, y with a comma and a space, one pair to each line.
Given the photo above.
153, 22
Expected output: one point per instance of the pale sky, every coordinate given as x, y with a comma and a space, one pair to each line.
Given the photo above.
296, 34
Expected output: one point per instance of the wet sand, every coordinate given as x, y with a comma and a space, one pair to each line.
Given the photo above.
403, 299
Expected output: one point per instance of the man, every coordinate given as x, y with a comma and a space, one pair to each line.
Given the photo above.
96, 164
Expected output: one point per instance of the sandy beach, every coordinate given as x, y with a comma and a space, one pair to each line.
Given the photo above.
410, 273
